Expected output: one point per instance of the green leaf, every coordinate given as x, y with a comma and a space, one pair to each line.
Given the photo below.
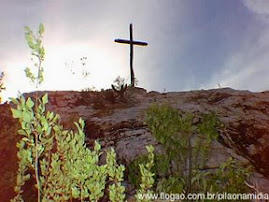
75, 192
15, 101
41, 29
45, 126
150, 148
16, 113
26, 117
49, 130
45, 99
81, 122
29, 103
51, 115
97, 146
29, 39
22, 132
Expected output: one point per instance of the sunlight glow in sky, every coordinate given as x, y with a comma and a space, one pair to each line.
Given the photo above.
192, 44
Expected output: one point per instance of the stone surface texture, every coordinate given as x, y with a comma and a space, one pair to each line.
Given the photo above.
119, 123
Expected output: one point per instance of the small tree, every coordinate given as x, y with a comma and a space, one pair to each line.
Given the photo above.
187, 141
64, 168
52, 152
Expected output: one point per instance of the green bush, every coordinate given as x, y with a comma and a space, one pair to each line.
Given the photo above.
134, 176
147, 179
58, 159
231, 177
161, 165
64, 167
187, 141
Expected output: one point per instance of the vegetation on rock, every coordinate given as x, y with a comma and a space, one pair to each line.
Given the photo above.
187, 142
63, 167
147, 179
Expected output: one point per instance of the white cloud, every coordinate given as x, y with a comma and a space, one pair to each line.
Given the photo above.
257, 6
247, 68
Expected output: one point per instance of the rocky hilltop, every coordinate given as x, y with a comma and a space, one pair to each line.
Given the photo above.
119, 122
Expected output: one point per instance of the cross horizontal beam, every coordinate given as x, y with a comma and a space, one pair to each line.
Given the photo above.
140, 43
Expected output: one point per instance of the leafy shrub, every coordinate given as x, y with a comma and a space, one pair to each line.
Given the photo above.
134, 176
115, 172
171, 184
147, 179
234, 175
119, 82
187, 143
58, 159
63, 166
161, 165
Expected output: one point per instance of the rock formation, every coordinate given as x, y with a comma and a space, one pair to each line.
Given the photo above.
119, 123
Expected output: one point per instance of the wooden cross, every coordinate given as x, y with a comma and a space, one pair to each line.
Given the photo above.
132, 43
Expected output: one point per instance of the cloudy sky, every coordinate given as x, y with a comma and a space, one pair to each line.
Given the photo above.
192, 44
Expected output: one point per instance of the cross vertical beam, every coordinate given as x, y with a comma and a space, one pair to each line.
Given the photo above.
131, 56
132, 43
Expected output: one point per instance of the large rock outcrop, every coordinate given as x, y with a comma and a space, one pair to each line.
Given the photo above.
119, 123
